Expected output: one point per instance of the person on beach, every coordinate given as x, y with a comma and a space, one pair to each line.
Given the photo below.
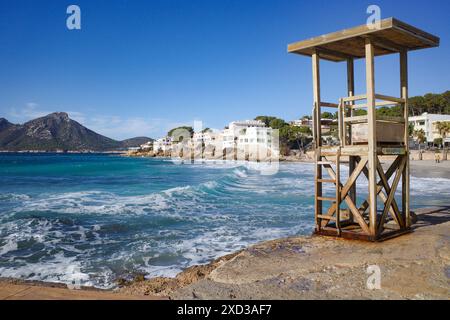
437, 157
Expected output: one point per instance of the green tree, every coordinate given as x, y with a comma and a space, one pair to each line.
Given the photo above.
420, 135
443, 127
277, 123
410, 129
189, 129
328, 115
265, 119
180, 133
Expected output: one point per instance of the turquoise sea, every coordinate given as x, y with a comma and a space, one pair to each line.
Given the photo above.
91, 219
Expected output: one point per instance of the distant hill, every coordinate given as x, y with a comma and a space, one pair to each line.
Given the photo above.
135, 142
57, 131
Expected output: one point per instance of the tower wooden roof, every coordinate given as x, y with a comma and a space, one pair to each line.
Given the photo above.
393, 36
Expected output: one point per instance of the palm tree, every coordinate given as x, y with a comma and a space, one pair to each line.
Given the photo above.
444, 128
421, 138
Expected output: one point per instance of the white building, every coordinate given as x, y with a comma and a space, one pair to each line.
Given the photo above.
302, 123
427, 122
162, 144
255, 136
236, 129
207, 137
147, 146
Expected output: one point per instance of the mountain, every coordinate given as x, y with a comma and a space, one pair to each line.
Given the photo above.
135, 142
57, 131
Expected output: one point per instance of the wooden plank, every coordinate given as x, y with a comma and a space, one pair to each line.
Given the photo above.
395, 212
372, 133
392, 151
337, 36
388, 175
356, 119
386, 132
318, 134
391, 119
325, 217
407, 29
341, 132
355, 212
391, 196
327, 199
392, 36
351, 93
433, 40
355, 98
329, 104
327, 180
338, 192
353, 176
332, 54
405, 175
389, 98
350, 182
354, 150
386, 103
384, 43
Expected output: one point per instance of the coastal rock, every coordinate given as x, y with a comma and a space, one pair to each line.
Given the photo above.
413, 266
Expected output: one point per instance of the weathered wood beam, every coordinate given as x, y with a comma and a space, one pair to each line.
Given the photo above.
388, 98
354, 210
388, 175
372, 140
318, 135
384, 43
405, 176
331, 53
391, 195
350, 93
395, 212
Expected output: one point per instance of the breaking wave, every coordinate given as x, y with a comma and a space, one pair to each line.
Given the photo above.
153, 217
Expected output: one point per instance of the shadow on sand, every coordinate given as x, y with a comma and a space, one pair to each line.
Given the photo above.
432, 216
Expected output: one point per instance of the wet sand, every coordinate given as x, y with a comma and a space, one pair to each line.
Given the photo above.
430, 169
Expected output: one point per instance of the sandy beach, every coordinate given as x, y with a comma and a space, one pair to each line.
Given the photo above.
430, 169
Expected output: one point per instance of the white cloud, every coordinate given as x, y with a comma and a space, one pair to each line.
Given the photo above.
118, 127
29, 111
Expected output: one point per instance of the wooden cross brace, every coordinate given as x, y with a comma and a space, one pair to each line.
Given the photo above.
390, 205
345, 196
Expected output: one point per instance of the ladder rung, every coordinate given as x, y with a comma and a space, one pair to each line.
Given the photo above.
324, 162
330, 229
326, 199
326, 217
326, 180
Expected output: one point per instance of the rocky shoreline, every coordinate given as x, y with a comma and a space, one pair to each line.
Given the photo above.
412, 266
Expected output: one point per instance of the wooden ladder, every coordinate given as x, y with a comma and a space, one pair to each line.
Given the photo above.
320, 216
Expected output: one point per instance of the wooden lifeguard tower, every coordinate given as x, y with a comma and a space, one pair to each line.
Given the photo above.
363, 136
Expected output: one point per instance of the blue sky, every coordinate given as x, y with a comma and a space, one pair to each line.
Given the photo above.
142, 67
